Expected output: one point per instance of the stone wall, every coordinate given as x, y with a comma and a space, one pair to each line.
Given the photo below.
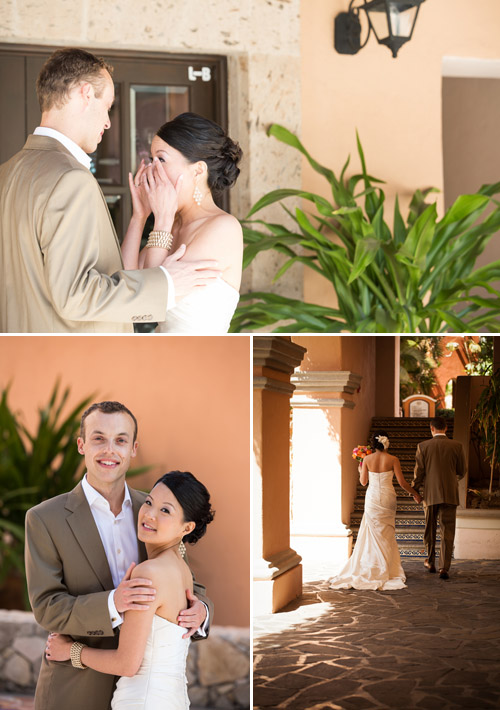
261, 40
218, 669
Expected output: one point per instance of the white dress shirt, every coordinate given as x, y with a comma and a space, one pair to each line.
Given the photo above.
86, 161
118, 536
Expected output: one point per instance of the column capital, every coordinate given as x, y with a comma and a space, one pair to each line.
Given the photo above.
261, 382
327, 381
277, 353
322, 381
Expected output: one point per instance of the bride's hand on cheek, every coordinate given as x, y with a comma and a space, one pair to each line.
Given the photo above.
163, 195
140, 200
58, 647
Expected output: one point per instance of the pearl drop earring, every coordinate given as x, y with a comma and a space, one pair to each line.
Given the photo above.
197, 195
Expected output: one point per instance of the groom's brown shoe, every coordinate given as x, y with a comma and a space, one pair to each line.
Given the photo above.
443, 574
429, 566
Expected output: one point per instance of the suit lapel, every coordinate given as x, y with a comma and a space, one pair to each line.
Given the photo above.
83, 526
137, 500
112, 226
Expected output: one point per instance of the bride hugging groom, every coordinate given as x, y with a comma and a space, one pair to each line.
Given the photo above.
107, 577
376, 562
61, 268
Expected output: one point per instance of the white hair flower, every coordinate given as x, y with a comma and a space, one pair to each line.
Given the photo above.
384, 441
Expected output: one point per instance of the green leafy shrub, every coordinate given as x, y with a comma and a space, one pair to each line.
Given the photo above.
418, 276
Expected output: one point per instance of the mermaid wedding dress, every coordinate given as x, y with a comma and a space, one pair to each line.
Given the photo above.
160, 682
205, 311
375, 562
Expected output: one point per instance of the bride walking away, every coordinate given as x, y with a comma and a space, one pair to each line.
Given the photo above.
376, 562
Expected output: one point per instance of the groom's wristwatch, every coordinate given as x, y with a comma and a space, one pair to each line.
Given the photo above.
75, 654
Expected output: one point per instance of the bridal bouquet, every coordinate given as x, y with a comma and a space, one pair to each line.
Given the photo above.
359, 452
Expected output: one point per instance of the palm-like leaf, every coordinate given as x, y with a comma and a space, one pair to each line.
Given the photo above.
418, 277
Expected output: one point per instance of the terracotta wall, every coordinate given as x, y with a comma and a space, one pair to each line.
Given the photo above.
452, 365
395, 104
191, 398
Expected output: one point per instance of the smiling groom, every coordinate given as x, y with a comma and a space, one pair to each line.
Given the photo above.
81, 547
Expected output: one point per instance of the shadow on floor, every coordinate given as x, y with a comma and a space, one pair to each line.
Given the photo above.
434, 645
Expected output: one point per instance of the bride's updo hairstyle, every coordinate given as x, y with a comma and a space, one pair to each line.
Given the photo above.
198, 138
194, 500
379, 445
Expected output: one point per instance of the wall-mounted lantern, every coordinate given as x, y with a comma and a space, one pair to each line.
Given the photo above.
392, 22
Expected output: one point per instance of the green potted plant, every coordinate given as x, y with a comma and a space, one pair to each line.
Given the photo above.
416, 276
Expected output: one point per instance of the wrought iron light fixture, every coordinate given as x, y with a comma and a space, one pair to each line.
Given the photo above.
392, 22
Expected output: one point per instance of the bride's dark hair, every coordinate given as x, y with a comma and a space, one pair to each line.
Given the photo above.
375, 443
198, 138
194, 500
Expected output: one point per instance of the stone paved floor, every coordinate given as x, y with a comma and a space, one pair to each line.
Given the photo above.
434, 645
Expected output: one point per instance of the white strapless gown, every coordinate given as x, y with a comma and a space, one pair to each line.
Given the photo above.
160, 682
205, 311
375, 562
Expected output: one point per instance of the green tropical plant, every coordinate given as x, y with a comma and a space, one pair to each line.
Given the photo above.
419, 358
417, 277
480, 355
33, 467
486, 420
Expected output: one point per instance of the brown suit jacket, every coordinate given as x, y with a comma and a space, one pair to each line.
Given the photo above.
60, 260
68, 583
440, 462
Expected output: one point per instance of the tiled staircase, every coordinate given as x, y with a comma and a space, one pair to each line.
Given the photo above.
404, 435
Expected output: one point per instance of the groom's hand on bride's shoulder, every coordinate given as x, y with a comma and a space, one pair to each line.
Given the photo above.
194, 616
135, 594
188, 275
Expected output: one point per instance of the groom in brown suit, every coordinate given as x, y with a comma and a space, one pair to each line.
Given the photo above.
440, 462
80, 550
60, 262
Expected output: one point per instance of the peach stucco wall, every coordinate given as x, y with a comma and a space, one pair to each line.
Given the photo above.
191, 397
395, 104
349, 426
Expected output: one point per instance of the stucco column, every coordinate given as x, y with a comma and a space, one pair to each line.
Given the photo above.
387, 377
277, 570
320, 403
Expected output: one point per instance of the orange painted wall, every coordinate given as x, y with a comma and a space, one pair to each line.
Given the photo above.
191, 397
395, 104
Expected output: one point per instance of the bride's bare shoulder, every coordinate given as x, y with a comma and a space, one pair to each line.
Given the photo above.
219, 232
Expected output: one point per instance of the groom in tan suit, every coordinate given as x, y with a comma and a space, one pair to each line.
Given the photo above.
440, 462
80, 550
60, 262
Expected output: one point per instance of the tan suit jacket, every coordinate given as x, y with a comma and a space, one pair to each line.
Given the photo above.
68, 583
440, 462
60, 261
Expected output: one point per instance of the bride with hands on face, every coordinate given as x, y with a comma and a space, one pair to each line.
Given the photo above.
152, 650
193, 160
